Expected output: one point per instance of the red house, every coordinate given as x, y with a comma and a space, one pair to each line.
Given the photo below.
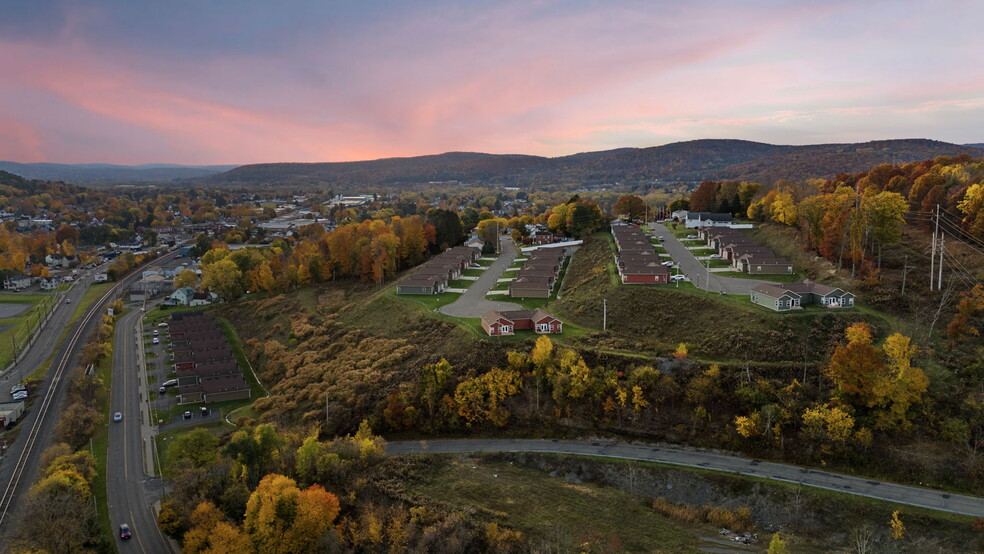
507, 322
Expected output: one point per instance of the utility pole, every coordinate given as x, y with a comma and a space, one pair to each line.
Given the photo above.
604, 314
932, 256
905, 269
939, 282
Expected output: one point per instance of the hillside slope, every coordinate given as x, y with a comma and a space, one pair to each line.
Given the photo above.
95, 173
681, 161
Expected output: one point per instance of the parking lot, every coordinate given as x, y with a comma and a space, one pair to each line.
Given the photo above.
160, 370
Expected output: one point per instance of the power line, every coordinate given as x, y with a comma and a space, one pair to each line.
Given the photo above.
954, 235
963, 231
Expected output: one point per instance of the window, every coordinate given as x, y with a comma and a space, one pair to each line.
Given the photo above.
758, 268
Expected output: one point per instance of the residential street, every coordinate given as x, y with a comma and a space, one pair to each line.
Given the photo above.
696, 272
913, 496
472, 302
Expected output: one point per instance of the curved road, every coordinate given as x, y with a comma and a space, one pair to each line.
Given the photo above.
472, 302
912, 496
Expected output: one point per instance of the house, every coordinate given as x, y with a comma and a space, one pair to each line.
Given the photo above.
203, 298
137, 295
646, 273
782, 298
17, 282
182, 296
695, 220
422, 284
50, 283
764, 264
531, 287
820, 294
475, 242
504, 323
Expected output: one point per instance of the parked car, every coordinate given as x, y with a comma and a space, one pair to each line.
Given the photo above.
162, 324
679, 278
170, 383
187, 415
692, 237
125, 531
20, 395
662, 238
668, 263
117, 417
156, 332
157, 340
162, 390
204, 411
17, 388
715, 256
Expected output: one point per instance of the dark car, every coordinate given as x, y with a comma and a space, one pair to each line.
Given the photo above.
187, 415
125, 531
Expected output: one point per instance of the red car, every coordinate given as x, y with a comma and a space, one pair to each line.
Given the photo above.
125, 531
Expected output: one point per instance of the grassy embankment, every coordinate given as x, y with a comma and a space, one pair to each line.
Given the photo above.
552, 511
656, 318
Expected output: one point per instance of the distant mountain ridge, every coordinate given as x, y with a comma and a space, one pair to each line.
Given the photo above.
696, 160
96, 173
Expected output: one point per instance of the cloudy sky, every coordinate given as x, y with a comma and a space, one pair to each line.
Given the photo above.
242, 81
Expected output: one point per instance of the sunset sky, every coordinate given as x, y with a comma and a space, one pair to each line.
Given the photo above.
244, 81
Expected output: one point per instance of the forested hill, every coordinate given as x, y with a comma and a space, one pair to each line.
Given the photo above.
681, 161
108, 173
14, 185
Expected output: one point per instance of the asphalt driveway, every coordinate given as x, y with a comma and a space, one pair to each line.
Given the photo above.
697, 273
472, 302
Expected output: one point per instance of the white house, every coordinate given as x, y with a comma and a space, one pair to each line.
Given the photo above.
49, 284
182, 296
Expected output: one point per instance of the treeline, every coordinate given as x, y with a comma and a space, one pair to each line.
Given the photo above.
852, 216
371, 251
59, 514
267, 489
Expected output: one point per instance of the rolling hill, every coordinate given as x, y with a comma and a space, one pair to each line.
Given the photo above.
695, 160
109, 173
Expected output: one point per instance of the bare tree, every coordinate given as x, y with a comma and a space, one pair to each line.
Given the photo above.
863, 539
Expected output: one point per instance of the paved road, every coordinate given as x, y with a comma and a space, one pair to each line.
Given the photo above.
130, 492
697, 273
912, 496
472, 302
48, 343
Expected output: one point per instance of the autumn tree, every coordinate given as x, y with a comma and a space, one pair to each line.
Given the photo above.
960, 327
280, 517
630, 205
186, 278
224, 278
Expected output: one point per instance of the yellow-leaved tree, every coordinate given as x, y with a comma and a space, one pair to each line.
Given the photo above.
282, 518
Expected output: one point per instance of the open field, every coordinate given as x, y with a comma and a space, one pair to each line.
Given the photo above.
552, 511
19, 315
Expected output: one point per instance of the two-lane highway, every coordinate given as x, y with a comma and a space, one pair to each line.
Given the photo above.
130, 492
902, 494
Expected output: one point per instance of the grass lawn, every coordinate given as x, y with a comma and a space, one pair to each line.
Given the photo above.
500, 286
777, 278
717, 263
459, 284
576, 517
91, 295
473, 272
485, 263
18, 328
703, 251
430, 302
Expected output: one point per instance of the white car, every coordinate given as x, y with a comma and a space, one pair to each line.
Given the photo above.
117, 417
157, 340
17, 388
668, 263
715, 256
20, 395
679, 278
